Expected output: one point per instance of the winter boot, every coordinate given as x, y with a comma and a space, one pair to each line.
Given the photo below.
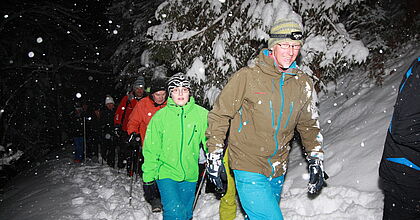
156, 205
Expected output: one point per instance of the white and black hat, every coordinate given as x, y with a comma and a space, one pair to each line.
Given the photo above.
178, 80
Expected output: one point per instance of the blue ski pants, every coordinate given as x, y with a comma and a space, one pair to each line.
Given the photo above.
177, 199
259, 195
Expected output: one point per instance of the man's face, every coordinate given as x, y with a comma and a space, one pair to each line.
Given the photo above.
110, 106
286, 53
159, 97
139, 91
180, 95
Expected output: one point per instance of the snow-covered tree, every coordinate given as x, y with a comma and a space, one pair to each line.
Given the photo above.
329, 50
384, 27
211, 39
128, 24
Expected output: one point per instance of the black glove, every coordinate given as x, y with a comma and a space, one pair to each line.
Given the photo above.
134, 139
215, 169
117, 130
317, 176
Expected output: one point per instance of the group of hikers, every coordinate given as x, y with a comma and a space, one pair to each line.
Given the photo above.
243, 142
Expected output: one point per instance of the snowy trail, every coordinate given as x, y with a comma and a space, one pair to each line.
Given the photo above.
60, 189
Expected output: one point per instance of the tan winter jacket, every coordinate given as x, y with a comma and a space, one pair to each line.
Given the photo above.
263, 106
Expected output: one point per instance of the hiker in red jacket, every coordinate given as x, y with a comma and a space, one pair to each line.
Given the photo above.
122, 114
137, 125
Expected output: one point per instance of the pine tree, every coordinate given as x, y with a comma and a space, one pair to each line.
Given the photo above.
210, 40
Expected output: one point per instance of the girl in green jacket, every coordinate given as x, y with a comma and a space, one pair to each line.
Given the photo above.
172, 148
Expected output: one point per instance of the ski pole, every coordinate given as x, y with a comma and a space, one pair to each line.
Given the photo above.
139, 152
131, 176
199, 188
137, 165
84, 138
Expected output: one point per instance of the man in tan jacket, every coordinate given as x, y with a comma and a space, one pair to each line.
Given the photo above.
263, 105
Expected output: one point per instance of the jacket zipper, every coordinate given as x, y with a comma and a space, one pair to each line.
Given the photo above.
182, 140
283, 75
278, 125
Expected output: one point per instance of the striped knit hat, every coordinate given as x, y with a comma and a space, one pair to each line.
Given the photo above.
178, 80
139, 83
285, 30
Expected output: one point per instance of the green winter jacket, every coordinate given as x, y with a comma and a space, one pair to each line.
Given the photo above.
172, 144
263, 106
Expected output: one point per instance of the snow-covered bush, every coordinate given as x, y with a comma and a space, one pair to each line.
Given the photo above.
211, 39
329, 49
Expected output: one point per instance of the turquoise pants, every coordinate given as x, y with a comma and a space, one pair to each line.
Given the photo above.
259, 195
177, 199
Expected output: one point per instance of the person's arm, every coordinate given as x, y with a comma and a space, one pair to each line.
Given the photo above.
203, 136
226, 106
309, 130
135, 119
308, 126
151, 150
120, 111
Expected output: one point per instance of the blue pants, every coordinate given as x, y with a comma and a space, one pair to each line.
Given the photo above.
78, 148
177, 199
259, 195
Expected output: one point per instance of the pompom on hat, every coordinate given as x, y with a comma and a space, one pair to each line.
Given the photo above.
285, 30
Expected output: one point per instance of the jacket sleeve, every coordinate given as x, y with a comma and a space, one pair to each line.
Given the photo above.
151, 150
308, 124
226, 106
120, 111
135, 119
203, 136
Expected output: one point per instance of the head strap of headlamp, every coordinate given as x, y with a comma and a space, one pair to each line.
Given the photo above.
297, 35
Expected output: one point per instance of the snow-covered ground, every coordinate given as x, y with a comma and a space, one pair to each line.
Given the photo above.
354, 119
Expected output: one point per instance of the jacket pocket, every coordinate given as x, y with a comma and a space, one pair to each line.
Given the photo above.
192, 135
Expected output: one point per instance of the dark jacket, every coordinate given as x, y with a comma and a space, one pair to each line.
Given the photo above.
107, 121
76, 123
400, 162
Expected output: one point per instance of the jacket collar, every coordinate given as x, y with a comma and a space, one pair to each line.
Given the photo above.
265, 62
187, 107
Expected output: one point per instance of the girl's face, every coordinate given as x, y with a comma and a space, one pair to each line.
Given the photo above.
180, 95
